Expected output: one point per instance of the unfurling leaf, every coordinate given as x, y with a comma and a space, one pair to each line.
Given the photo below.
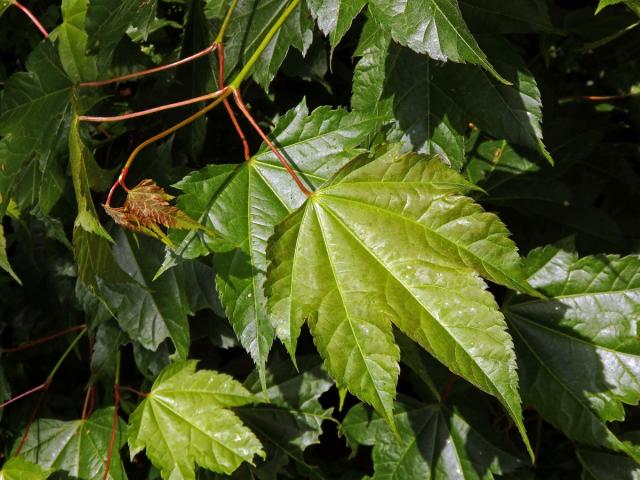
147, 208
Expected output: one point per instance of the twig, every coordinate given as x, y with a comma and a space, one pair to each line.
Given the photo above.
114, 425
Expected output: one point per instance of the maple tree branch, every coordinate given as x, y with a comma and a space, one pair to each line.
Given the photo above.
141, 113
114, 424
131, 76
232, 116
39, 341
276, 152
32, 17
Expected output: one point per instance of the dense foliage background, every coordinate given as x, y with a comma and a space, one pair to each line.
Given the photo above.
533, 102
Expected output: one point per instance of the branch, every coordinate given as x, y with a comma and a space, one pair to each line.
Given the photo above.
33, 343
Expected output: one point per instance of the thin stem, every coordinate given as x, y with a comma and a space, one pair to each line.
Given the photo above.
226, 22
232, 116
136, 392
264, 44
114, 425
42, 386
32, 17
66, 353
141, 113
279, 156
32, 418
39, 341
149, 71
161, 135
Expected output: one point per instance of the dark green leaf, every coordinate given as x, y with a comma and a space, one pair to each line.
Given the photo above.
293, 420
594, 313
251, 21
434, 442
151, 311
108, 20
599, 465
516, 16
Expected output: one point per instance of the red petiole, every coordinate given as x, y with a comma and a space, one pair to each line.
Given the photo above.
32, 17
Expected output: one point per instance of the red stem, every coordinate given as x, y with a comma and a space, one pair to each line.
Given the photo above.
279, 156
137, 392
149, 71
40, 341
232, 116
42, 386
149, 111
114, 428
32, 418
32, 17
448, 388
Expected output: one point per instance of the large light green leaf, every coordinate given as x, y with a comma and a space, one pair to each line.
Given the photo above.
334, 17
151, 311
593, 313
78, 447
244, 205
434, 27
17, 468
185, 419
435, 442
72, 41
390, 241
292, 421
431, 103
251, 20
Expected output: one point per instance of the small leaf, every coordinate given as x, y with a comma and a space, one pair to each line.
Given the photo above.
389, 240
17, 468
185, 420
78, 447
4, 4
